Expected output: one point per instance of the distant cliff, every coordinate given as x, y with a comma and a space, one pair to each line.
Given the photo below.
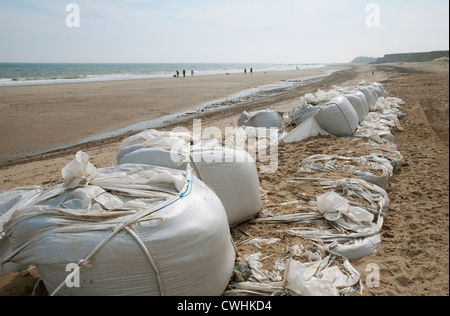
364, 60
412, 57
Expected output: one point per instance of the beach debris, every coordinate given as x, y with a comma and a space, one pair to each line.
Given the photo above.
373, 168
319, 276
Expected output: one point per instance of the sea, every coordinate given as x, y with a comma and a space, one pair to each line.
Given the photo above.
12, 74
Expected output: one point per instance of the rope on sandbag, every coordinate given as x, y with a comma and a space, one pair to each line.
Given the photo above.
149, 257
123, 226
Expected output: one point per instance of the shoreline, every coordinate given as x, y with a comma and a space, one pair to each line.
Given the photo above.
157, 115
156, 75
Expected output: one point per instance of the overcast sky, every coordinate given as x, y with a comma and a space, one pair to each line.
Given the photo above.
203, 31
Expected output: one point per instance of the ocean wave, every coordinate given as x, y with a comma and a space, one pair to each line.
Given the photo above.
73, 73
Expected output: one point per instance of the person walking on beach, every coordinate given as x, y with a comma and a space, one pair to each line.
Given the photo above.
184, 73
251, 71
178, 73
245, 71
192, 73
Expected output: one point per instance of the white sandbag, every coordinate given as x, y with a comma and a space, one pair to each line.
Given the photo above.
363, 100
264, 119
176, 143
382, 91
139, 230
157, 139
361, 109
371, 97
338, 117
154, 157
232, 174
378, 92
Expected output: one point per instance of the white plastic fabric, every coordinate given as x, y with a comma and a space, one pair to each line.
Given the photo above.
370, 95
263, 119
254, 139
317, 278
132, 230
309, 128
360, 105
233, 176
155, 157
357, 249
374, 168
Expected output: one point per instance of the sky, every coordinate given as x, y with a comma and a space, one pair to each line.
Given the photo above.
213, 31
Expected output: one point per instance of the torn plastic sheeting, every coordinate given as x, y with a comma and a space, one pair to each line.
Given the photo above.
309, 128
371, 97
259, 242
319, 279
354, 221
302, 112
257, 273
337, 210
358, 248
362, 167
158, 200
360, 188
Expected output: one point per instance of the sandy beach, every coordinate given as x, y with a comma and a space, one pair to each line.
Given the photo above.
414, 254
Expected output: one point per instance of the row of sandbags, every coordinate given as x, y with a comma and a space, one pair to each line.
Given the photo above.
156, 223
363, 111
339, 112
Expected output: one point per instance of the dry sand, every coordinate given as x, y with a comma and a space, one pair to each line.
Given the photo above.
414, 254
